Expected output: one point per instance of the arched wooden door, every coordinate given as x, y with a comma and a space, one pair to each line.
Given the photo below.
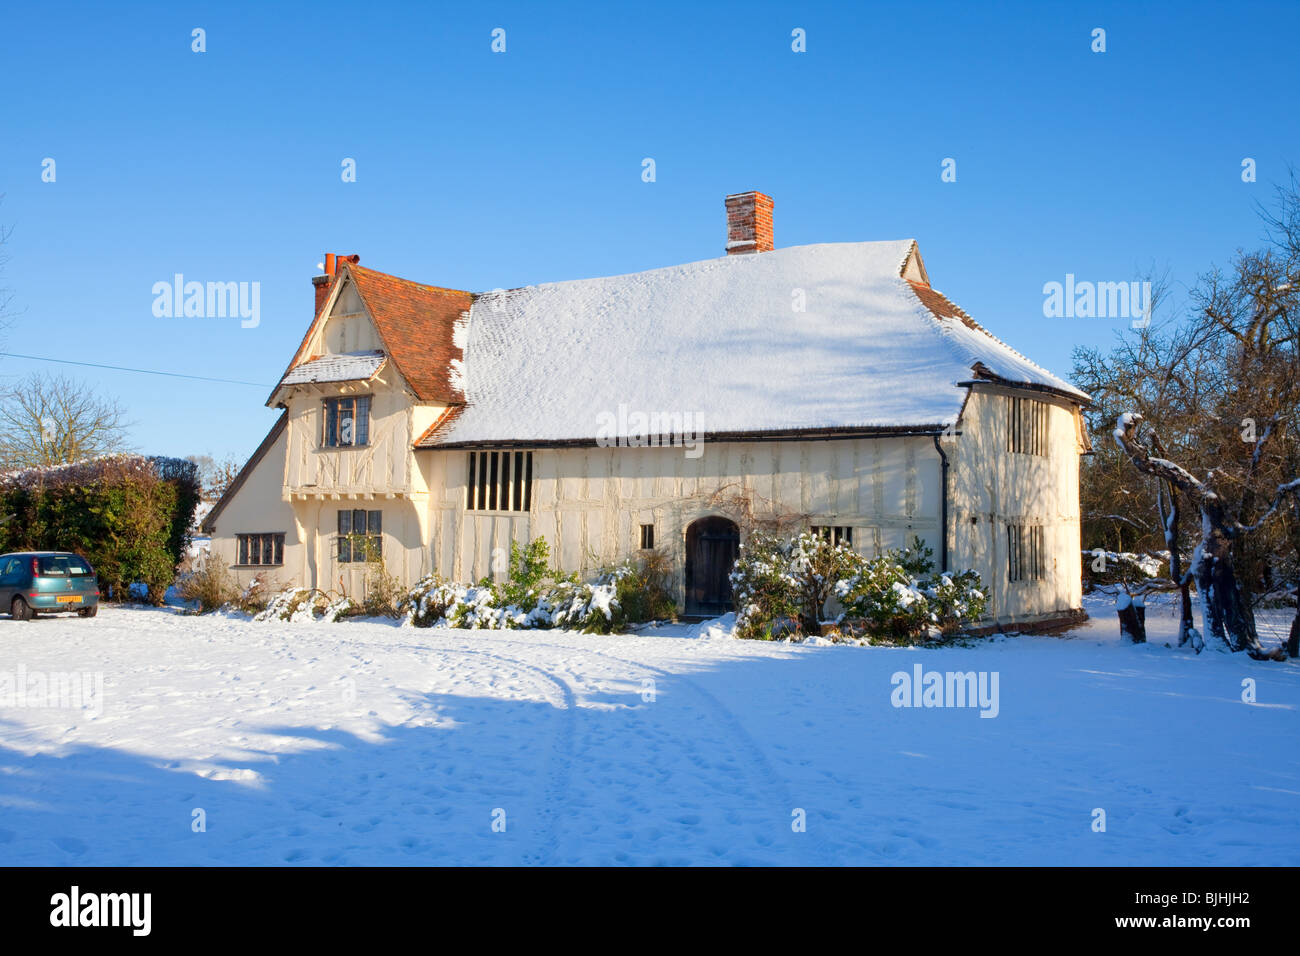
712, 545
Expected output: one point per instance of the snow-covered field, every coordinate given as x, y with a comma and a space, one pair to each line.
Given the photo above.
366, 743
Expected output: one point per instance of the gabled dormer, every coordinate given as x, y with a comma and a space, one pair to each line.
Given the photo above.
372, 373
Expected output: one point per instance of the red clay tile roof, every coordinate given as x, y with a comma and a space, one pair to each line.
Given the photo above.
942, 306
444, 422
416, 324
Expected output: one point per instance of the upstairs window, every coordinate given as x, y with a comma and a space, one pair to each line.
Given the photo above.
1026, 558
499, 481
835, 534
361, 535
347, 421
1027, 427
261, 549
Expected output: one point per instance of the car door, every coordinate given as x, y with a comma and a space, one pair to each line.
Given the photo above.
9, 568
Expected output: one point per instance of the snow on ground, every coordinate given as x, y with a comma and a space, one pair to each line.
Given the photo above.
366, 743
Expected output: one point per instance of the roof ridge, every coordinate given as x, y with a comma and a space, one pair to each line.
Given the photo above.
423, 285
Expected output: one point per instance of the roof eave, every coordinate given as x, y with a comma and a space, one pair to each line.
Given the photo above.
757, 435
1079, 398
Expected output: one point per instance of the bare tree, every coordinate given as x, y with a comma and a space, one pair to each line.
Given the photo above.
1206, 405
216, 476
1225, 611
52, 420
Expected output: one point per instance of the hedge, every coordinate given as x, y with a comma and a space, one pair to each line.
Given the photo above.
129, 515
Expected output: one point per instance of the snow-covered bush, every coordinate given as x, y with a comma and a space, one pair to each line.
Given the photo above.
780, 582
533, 596
899, 596
427, 602
763, 590
956, 598
886, 598
593, 608
784, 584
305, 605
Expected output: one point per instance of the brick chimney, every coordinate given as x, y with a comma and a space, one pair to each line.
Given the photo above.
749, 223
322, 283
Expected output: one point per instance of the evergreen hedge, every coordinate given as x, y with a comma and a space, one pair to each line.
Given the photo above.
129, 515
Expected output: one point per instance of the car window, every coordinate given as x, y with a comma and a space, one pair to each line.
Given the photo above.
54, 567
62, 565
10, 567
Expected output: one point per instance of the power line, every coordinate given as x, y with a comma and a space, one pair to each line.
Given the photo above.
142, 371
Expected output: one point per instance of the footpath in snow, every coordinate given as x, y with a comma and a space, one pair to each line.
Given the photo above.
368, 743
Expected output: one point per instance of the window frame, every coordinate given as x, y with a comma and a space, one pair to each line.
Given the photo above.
836, 534
1028, 421
347, 545
332, 408
1026, 553
274, 546
499, 481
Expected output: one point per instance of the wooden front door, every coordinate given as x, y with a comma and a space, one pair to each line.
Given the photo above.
712, 545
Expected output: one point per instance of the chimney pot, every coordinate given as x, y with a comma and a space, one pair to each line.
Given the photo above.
749, 223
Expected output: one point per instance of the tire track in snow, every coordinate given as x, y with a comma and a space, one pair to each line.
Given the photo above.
758, 768
559, 762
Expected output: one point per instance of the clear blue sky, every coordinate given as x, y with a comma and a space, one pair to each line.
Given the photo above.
478, 170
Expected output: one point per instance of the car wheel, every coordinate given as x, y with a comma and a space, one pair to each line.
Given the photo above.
88, 611
20, 610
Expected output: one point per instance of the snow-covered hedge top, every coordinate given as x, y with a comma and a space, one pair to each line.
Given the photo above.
99, 468
832, 333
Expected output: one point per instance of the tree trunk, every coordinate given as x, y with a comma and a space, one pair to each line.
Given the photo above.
1173, 533
1186, 624
1228, 615
1293, 642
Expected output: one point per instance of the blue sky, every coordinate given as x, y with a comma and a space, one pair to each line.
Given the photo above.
478, 170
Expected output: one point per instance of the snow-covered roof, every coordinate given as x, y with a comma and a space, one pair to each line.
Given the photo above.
816, 337
348, 367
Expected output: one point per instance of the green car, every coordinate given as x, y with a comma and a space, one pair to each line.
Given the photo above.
47, 582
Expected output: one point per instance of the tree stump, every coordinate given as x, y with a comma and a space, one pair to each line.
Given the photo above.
1132, 618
